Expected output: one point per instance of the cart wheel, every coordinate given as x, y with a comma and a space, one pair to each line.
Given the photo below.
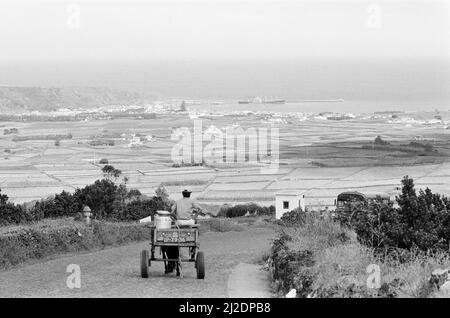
144, 264
200, 265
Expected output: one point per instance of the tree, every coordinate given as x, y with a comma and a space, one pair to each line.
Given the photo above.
408, 203
139, 209
111, 172
66, 204
3, 198
11, 213
376, 225
101, 197
183, 106
422, 221
379, 141
133, 193
59, 205
161, 193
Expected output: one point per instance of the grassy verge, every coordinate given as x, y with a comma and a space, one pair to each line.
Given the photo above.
19, 244
321, 259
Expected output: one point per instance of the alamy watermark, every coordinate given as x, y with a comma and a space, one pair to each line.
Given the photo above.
74, 279
73, 16
374, 278
373, 16
233, 144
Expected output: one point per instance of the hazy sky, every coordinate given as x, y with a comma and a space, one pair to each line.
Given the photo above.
124, 29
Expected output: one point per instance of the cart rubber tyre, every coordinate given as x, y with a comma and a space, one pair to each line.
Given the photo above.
144, 264
200, 265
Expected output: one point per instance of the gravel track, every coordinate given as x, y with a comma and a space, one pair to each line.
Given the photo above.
114, 272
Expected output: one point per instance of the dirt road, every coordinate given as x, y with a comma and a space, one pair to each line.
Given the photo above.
115, 272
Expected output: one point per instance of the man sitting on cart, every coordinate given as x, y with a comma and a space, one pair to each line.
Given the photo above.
184, 211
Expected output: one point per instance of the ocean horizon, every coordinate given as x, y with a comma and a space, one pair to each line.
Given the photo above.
364, 85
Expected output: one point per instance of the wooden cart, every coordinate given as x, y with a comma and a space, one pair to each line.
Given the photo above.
180, 237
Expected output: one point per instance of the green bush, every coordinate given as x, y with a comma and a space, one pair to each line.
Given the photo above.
102, 197
291, 268
422, 221
379, 141
242, 209
293, 218
321, 258
11, 213
140, 209
106, 199
63, 204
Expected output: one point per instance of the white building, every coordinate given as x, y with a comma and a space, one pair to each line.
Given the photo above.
286, 201
135, 141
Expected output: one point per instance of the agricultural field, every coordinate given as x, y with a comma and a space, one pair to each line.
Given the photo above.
320, 158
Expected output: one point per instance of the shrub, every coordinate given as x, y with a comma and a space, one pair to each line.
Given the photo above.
188, 164
422, 221
10, 131
161, 192
321, 258
293, 218
426, 146
243, 209
103, 161
101, 197
97, 142
63, 204
379, 141
110, 171
139, 209
291, 268
13, 214
107, 200
42, 137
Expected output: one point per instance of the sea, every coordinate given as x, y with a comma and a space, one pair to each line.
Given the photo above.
361, 85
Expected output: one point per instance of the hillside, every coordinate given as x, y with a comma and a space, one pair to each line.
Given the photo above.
20, 99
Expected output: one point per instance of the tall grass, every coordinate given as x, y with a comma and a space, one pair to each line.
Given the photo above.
340, 264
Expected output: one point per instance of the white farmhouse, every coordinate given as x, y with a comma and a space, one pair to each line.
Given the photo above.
135, 141
286, 201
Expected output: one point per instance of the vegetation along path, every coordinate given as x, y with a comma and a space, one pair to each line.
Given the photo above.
115, 272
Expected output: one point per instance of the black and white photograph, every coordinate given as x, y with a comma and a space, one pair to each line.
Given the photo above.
238, 150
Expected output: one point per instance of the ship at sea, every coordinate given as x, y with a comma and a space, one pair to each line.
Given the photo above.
262, 100
275, 101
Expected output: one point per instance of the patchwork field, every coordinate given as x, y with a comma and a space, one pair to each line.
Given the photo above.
318, 157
